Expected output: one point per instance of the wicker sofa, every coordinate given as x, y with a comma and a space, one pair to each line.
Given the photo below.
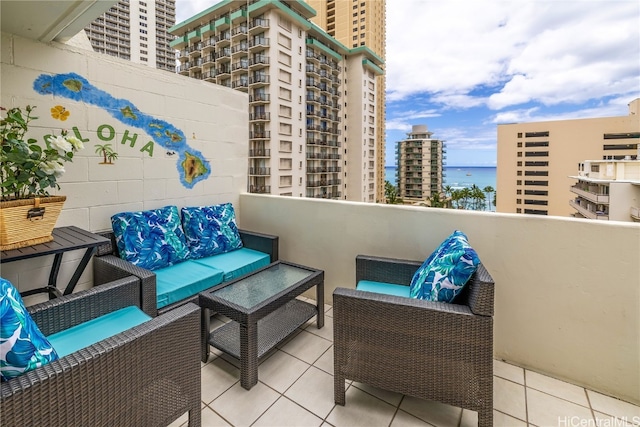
148, 375
108, 266
430, 350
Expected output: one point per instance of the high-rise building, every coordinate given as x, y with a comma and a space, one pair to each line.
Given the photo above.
536, 159
312, 100
360, 23
607, 190
420, 161
136, 30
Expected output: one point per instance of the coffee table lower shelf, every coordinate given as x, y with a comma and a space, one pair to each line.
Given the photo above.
272, 329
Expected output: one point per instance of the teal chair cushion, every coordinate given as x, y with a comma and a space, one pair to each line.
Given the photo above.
184, 280
236, 263
23, 347
443, 275
95, 330
383, 288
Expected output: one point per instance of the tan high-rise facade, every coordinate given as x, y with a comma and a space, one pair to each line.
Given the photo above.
356, 23
535, 160
312, 100
136, 30
420, 159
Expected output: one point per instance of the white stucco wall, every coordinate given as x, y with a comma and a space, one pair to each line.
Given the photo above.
213, 119
567, 299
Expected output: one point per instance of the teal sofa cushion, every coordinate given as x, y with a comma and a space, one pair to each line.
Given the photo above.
23, 347
383, 288
150, 239
180, 281
95, 330
443, 275
236, 263
210, 230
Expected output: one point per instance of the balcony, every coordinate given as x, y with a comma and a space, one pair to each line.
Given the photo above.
260, 171
259, 80
259, 189
259, 98
259, 134
260, 152
589, 195
258, 42
259, 117
568, 344
587, 213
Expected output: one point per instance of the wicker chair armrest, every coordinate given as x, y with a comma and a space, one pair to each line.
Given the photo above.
388, 270
147, 375
108, 268
70, 310
392, 304
480, 292
266, 243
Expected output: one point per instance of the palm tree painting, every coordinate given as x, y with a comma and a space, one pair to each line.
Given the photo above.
108, 155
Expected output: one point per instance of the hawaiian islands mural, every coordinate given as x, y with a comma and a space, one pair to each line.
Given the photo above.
191, 164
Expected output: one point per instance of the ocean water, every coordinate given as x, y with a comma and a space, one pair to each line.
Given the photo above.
457, 176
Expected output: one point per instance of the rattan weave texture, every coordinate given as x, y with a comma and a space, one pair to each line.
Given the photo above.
430, 350
148, 375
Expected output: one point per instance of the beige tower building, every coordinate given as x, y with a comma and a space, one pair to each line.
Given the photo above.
420, 160
302, 85
360, 23
536, 160
136, 30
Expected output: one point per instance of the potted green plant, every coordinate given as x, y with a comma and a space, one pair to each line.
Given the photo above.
27, 171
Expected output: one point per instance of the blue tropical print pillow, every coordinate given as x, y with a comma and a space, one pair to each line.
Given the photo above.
210, 230
23, 347
150, 239
443, 275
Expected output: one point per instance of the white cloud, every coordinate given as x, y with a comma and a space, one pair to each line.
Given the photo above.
506, 53
185, 9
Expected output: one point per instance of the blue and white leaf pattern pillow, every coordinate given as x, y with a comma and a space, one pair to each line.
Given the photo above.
23, 347
443, 275
150, 239
210, 230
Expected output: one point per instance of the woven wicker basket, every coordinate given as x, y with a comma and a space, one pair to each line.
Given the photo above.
27, 222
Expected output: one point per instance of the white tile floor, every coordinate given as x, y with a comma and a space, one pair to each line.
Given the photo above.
295, 388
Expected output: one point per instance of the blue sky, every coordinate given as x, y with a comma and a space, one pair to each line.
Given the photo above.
463, 66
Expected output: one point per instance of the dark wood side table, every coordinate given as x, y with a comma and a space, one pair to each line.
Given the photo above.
65, 239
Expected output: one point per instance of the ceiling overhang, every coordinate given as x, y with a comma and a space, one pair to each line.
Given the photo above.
49, 20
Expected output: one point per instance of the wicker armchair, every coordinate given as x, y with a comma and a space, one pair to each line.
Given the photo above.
148, 375
430, 350
108, 266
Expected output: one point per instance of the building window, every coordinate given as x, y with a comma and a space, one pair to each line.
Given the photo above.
519, 134
519, 153
537, 183
595, 168
518, 201
143, 31
535, 134
518, 191
519, 173
620, 147
537, 144
536, 173
535, 212
519, 210
519, 182
622, 135
520, 163
536, 154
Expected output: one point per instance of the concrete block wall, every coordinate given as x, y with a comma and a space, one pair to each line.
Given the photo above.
145, 174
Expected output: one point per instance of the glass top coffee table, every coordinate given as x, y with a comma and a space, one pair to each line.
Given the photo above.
264, 311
